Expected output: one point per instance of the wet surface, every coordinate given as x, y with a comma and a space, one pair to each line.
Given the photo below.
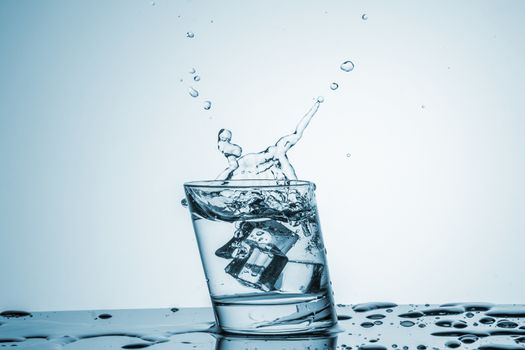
370, 326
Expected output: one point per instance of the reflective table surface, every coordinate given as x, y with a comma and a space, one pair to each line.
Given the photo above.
379, 325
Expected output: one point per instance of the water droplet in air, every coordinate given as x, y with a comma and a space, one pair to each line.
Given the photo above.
320, 99
193, 92
334, 86
207, 105
364, 17
196, 78
190, 35
347, 66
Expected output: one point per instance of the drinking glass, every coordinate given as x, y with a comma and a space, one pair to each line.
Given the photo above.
263, 255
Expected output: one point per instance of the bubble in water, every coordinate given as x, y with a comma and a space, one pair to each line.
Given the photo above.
367, 324
347, 66
190, 35
207, 105
320, 99
407, 323
193, 92
364, 17
334, 86
196, 78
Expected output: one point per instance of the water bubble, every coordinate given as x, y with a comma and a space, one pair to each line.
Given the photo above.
15, 314
468, 338
367, 324
184, 202
407, 323
174, 309
334, 86
506, 324
348, 155
320, 99
459, 324
487, 320
193, 92
347, 66
136, 346
421, 347
104, 316
190, 35
196, 78
343, 317
452, 344
207, 105
376, 316
364, 17
378, 322
372, 306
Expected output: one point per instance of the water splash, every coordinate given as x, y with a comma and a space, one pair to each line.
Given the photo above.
271, 163
347, 66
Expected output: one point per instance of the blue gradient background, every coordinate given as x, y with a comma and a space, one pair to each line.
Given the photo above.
97, 135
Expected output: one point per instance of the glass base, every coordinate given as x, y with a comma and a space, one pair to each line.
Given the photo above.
275, 313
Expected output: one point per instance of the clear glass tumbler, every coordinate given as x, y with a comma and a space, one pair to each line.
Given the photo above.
263, 255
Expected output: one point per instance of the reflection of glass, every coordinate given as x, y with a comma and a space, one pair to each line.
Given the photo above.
327, 342
263, 255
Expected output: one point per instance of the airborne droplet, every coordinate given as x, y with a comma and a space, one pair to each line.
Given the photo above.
193, 92
347, 66
334, 86
207, 105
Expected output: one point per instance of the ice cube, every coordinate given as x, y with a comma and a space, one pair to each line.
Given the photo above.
259, 268
300, 277
227, 250
272, 235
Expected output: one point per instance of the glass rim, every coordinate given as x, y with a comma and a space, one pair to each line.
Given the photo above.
248, 183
